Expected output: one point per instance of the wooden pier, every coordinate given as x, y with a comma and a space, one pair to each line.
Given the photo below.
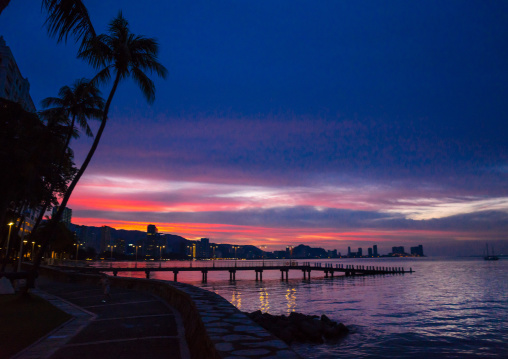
329, 269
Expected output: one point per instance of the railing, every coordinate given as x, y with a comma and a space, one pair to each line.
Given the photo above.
232, 264
199, 264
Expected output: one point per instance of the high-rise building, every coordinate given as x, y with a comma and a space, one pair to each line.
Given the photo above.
152, 244
13, 86
370, 252
66, 215
205, 247
417, 251
398, 250
106, 239
374, 247
349, 251
360, 252
151, 229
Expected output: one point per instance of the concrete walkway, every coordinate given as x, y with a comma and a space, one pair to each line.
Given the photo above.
131, 325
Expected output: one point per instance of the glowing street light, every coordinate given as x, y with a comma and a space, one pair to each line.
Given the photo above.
137, 252
8, 239
77, 249
263, 248
160, 252
235, 248
21, 244
112, 246
32, 255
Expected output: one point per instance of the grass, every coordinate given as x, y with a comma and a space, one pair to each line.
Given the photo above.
24, 319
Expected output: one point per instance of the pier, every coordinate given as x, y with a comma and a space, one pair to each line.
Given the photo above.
258, 267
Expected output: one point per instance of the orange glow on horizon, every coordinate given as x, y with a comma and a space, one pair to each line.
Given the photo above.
254, 235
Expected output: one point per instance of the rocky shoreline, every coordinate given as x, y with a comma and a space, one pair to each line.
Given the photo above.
299, 327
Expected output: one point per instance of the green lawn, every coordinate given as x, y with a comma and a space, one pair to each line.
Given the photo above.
24, 319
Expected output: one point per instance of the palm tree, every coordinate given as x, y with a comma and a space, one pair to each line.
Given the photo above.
68, 16
78, 103
122, 54
65, 17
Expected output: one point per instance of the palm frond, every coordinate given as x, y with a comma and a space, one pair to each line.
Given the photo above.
96, 51
68, 17
145, 84
51, 101
103, 76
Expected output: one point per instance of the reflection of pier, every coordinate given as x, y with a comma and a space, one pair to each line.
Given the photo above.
329, 269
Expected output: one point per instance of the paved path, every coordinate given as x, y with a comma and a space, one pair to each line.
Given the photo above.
131, 325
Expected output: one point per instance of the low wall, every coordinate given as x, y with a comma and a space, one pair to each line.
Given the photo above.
200, 345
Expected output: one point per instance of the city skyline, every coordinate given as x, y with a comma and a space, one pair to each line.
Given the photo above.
107, 242
329, 124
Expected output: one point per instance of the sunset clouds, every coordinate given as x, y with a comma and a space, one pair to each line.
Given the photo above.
327, 123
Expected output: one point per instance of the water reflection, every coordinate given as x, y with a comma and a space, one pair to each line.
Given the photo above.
263, 299
445, 309
236, 299
291, 299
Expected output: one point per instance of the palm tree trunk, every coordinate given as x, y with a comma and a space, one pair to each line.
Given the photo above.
3, 5
56, 218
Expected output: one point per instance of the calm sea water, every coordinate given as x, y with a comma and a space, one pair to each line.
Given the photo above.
447, 308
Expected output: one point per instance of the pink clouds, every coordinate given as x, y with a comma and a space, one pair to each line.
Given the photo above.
332, 217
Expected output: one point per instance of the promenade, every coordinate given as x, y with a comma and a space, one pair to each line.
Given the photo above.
131, 325
137, 324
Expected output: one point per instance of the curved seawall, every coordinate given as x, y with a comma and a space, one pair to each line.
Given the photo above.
214, 328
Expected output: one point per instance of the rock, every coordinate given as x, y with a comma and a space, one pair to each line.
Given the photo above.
342, 329
299, 327
287, 335
297, 317
311, 331
327, 320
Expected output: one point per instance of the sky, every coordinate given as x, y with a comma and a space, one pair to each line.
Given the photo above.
326, 123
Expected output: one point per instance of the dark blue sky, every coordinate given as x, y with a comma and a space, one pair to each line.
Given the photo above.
404, 101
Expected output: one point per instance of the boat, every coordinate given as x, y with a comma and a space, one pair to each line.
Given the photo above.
489, 257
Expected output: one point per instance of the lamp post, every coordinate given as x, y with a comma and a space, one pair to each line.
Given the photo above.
8, 239
160, 252
77, 249
111, 256
235, 247
21, 245
263, 254
136, 263
32, 255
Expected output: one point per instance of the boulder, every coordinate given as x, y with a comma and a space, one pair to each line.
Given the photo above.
299, 327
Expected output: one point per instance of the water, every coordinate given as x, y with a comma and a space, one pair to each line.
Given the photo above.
447, 308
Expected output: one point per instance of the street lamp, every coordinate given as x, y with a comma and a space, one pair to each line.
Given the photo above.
160, 252
77, 249
111, 257
235, 248
21, 245
8, 239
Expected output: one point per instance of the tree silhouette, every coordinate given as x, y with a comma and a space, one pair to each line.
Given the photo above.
80, 103
121, 54
65, 17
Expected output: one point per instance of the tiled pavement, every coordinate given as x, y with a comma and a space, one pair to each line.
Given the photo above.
139, 325
131, 325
